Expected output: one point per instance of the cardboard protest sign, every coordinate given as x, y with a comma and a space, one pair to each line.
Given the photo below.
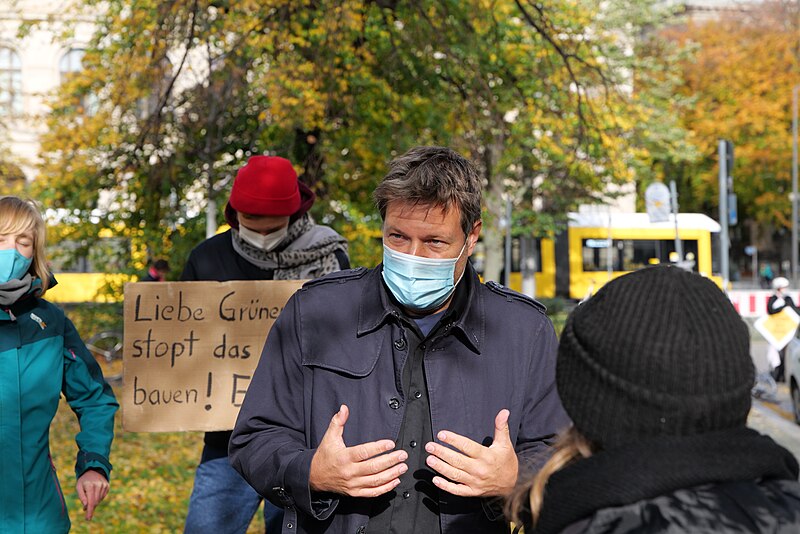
778, 329
190, 349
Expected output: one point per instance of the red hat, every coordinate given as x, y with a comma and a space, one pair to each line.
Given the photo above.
266, 185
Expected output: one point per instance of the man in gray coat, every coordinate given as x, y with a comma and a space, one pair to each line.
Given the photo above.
409, 397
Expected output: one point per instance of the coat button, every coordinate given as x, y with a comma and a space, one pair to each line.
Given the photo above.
400, 344
394, 403
417, 394
361, 530
406, 495
289, 525
413, 444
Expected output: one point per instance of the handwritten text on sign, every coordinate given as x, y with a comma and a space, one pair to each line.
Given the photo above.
190, 350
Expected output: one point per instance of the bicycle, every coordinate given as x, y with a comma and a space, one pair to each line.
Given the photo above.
765, 388
106, 347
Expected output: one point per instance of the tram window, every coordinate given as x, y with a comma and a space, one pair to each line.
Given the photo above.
644, 252
690, 253
631, 254
522, 247
596, 254
716, 268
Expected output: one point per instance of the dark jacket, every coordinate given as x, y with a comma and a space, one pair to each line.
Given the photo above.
732, 507
337, 341
216, 260
733, 480
773, 307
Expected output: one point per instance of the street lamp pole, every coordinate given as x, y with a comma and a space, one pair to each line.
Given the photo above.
794, 183
724, 240
507, 264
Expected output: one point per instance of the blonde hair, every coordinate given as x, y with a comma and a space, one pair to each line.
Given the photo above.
571, 446
19, 215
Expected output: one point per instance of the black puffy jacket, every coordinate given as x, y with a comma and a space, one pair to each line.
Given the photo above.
732, 507
730, 480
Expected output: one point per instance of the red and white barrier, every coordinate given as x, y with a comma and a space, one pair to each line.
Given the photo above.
753, 303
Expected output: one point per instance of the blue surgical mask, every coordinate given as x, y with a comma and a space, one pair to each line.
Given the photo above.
419, 284
13, 265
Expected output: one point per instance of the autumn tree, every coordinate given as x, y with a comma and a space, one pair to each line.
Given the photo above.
175, 96
739, 77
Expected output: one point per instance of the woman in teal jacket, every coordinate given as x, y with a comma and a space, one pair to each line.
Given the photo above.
42, 357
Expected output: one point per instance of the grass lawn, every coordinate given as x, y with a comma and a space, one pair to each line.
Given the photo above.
150, 484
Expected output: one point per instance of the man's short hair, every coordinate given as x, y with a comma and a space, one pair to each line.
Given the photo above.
161, 265
436, 176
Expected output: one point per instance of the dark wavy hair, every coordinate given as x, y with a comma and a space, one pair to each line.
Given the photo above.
435, 176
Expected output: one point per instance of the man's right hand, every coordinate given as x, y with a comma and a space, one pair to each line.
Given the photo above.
365, 470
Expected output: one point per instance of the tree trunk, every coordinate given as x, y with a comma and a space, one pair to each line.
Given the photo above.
493, 231
528, 262
493, 247
211, 213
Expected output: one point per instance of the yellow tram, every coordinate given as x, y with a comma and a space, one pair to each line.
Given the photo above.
598, 247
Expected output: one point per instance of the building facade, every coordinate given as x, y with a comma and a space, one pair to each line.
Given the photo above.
41, 42
703, 10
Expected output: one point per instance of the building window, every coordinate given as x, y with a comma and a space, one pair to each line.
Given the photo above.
70, 63
10, 83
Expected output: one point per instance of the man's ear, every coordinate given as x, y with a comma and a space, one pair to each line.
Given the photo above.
473, 236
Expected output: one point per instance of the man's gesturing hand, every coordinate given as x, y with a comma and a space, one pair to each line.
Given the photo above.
475, 471
365, 470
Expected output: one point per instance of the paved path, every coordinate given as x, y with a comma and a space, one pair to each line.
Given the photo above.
758, 349
777, 423
774, 419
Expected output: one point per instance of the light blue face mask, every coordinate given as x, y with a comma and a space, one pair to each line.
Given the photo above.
420, 284
13, 265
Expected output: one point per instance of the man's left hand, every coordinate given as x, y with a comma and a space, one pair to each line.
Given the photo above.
474, 470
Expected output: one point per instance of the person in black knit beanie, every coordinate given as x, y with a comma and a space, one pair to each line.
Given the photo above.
655, 372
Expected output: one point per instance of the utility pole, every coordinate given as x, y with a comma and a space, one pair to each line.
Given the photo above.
211, 216
528, 253
723, 213
794, 183
673, 190
507, 265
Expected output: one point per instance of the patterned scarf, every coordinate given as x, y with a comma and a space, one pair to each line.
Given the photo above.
307, 251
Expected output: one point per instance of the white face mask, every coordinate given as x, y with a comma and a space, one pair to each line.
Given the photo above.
264, 242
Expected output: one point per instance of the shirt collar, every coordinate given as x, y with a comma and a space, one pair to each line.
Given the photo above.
464, 315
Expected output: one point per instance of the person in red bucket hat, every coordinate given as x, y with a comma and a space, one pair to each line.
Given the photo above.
272, 237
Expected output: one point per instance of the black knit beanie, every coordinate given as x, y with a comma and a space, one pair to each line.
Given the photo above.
657, 352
